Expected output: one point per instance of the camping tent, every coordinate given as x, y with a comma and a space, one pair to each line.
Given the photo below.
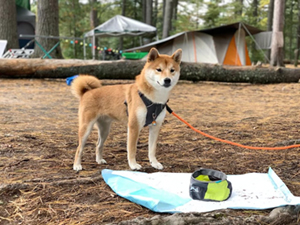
120, 26
26, 24
224, 45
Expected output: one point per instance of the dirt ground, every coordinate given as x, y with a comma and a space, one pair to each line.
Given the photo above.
38, 139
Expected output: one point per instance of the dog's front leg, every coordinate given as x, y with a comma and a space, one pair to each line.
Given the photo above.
153, 136
132, 138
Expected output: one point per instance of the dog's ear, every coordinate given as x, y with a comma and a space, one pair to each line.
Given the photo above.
177, 56
153, 54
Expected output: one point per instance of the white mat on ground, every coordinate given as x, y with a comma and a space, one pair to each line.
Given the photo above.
169, 192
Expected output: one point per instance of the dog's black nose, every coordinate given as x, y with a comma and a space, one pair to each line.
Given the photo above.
167, 81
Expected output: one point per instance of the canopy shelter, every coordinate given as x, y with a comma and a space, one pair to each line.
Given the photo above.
120, 26
224, 45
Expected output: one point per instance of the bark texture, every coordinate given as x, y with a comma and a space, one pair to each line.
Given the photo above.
270, 22
47, 25
298, 38
278, 24
167, 19
46, 68
8, 24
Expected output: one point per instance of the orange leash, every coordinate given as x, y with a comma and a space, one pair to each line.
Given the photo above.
229, 142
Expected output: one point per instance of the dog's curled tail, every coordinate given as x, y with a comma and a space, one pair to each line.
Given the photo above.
84, 83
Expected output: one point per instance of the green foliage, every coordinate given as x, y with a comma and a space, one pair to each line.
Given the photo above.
192, 15
290, 28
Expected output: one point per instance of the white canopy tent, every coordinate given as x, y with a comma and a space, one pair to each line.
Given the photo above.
120, 26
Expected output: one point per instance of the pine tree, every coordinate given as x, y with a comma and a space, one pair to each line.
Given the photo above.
8, 23
47, 25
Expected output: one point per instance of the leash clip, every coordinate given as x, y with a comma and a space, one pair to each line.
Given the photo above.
154, 121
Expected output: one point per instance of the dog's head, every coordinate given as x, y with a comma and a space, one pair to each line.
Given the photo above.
162, 71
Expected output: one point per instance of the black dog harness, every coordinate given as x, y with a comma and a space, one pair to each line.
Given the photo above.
153, 110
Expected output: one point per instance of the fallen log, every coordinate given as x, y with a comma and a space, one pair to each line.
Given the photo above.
128, 69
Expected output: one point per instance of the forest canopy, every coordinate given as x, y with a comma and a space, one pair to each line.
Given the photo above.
79, 16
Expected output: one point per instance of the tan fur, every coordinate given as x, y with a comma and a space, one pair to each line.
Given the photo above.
101, 105
84, 83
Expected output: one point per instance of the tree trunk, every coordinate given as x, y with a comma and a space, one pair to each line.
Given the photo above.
8, 24
148, 16
270, 22
277, 37
255, 10
93, 23
47, 25
123, 14
255, 16
144, 10
291, 34
75, 5
167, 19
298, 38
155, 13
174, 14
128, 69
93, 14
240, 4
149, 12
123, 7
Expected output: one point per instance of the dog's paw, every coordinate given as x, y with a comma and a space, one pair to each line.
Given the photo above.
135, 166
77, 167
157, 165
101, 161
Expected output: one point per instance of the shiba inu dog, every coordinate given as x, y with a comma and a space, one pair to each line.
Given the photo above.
139, 104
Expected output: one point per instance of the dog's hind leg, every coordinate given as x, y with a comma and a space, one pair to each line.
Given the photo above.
103, 125
84, 132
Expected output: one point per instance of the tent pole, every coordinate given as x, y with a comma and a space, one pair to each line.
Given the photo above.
238, 44
256, 43
74, 48
84, 50
186, 43
93, 50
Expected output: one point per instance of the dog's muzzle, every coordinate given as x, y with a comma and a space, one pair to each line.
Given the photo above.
167, 82
210, 185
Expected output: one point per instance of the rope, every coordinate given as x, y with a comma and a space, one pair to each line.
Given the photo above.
230, 142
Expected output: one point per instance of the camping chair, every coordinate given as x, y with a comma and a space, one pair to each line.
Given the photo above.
18, 53
47, 54
3, 44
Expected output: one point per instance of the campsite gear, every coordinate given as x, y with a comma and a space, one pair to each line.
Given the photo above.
153, 110
18, 53
210, 185
226, 141
25, 23
120, 26
47, 53
169, 193
224, 45
3, 44
134, 55
70, 79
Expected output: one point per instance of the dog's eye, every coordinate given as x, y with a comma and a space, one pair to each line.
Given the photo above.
158, 69
172, 70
